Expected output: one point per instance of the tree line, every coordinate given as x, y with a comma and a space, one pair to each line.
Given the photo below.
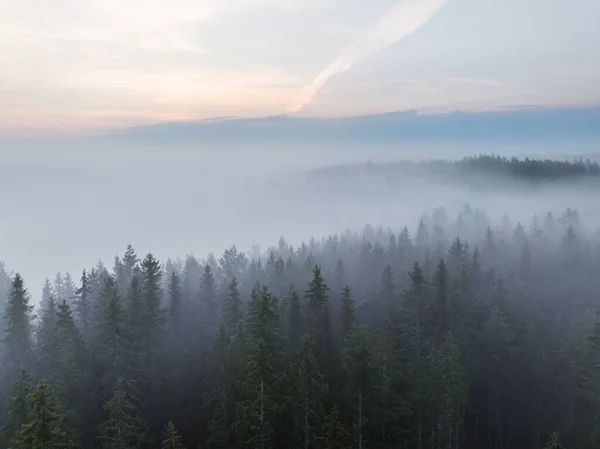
461, 334
531, 169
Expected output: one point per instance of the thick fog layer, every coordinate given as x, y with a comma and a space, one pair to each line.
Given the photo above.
66, 205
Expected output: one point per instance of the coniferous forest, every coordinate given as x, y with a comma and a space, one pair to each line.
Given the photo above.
452, 332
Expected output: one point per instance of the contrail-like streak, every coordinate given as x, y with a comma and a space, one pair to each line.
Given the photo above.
402, 20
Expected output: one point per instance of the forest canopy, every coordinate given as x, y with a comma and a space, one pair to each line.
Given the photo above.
457, 333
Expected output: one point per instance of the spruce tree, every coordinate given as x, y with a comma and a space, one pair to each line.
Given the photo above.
294, 323
172, 439
112, 344
45, 428
447, 393
175, 297
208, 300
359, 368
335, 434
554, 442
18, 407
347, 313
232, 307
17, 338
308, 394
64, 360
258, 406
123, 427
48, 322
319, 322
83, 307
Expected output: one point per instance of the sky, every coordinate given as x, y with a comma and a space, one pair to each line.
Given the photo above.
77, 66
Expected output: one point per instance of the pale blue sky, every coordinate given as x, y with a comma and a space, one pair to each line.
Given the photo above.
82, 65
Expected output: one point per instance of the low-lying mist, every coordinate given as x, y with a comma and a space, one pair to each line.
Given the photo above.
65, 206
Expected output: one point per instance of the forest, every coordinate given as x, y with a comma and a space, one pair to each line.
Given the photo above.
526, 169
452, 332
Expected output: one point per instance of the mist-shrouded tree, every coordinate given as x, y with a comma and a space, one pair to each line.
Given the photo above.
123, 427
64, 359
319, 322
294, 322
83, 306
172, 439
18, 338
175, 306
18, 408
208, 300
113, 347
232, 307
46, 426
359, 367
335, 433
308, 394
447, 394
347, 317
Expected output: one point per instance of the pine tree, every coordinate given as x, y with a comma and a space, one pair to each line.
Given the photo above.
123, 428
173, 439
308, 394
46, 427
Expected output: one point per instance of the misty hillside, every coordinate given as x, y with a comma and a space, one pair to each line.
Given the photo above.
517, 125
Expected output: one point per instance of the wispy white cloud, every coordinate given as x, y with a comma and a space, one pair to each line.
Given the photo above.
402, 20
